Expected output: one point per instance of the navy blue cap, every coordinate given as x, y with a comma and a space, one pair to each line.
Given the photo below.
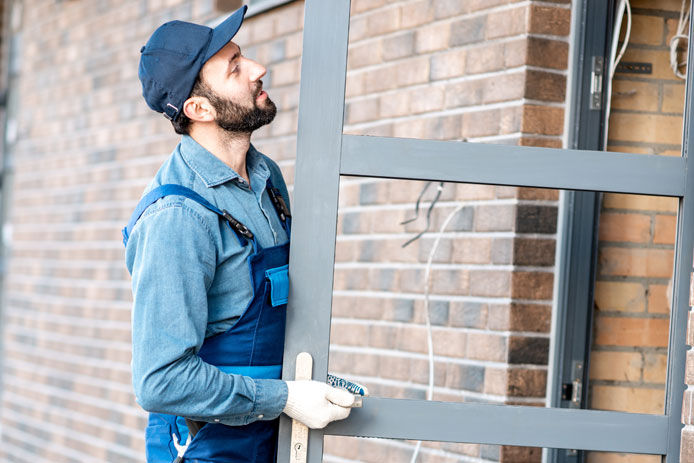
173, 56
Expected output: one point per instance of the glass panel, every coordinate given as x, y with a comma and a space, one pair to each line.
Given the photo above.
474, 71
340, 449
648, 97
632, 303
490, 292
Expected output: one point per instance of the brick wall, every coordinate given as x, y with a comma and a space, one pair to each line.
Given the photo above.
484, 71
637, 233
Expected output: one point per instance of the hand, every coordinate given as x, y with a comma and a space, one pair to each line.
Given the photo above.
316, 404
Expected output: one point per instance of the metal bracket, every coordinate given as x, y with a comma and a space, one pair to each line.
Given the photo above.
596, 77
634, 68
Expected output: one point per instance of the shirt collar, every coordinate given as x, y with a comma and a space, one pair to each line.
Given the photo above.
211, 170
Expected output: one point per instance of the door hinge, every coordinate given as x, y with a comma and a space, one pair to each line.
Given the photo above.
596, 75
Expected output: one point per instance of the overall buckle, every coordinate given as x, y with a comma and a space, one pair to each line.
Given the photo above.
240, 228
280, 205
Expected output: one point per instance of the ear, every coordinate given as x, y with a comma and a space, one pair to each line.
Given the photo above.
198, 109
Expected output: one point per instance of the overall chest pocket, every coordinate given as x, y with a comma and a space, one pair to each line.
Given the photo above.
279, 284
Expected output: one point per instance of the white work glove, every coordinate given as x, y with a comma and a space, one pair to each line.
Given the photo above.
316, 404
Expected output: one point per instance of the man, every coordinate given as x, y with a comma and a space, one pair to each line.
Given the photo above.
207, 248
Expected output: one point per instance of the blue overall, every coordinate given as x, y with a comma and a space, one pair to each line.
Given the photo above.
253, 347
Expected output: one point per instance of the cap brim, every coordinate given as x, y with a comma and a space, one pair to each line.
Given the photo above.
224, 32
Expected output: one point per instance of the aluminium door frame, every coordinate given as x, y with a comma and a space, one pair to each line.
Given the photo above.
577, 227
325, 153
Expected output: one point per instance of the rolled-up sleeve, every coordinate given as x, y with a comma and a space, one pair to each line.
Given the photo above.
171, 256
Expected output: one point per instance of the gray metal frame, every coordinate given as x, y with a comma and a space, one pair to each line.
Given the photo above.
577, 227
325, 153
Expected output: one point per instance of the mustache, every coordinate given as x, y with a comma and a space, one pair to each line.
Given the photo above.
258, 89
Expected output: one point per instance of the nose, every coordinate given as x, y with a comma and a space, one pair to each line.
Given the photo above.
257, 70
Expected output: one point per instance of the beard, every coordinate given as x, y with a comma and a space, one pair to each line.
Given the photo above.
235, 118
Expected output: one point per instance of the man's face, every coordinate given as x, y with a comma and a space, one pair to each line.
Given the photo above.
231, 83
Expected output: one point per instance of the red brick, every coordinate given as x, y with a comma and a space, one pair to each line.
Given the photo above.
665, 229
635, 262
532, 285
620, 331
547, 20
634, 228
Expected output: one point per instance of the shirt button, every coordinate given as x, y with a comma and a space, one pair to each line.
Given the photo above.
261, 416
216, 420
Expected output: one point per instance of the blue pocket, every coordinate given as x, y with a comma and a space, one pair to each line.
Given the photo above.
279, 284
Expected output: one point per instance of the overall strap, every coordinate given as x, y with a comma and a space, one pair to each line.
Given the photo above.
280, 206
173, 189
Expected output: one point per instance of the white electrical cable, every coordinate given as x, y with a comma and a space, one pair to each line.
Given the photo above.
675, 40
623, 7
430, 343
627, 35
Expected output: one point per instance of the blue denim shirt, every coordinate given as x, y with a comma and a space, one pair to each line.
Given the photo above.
190, 280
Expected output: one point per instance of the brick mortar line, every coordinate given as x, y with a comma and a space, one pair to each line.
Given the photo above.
71, 282
459, 111
71, 340
50, 354
513, 104
634, 245
88, 132
80, 417
638, 78
71, 172
459, 457
29, 156
451, 203
634, 279
12, 316
437, 327
650, 47
452, 234
118, 305
630, 349
35, 193
520, 70
473, 78
559, 72
629, 384
646, 113
655, 12
53, 245
29, 192
46, 379
53, 391
409, 355
472, 14
66, 226
521, 36
649, 212
634, 315
64, 263
58, 373
24, 421
361, 265
438, 297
